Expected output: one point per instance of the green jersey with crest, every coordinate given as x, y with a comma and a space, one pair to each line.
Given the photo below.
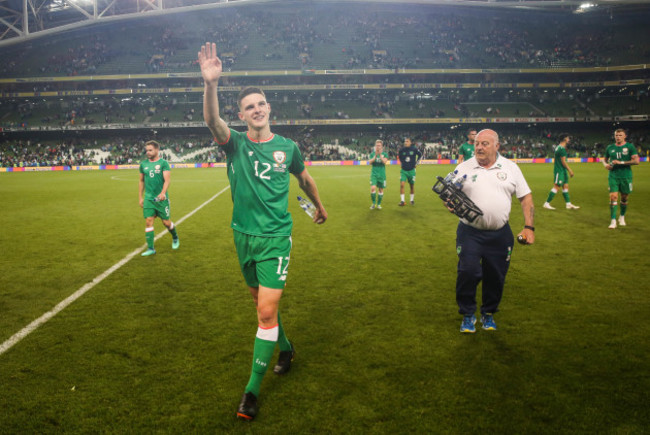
153, 177
378, 166
259, 183
622, 153
466, 150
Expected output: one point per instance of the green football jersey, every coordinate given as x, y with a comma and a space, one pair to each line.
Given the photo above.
622, 153
259, 183
557, 161
378, 167
466, 150
153, 177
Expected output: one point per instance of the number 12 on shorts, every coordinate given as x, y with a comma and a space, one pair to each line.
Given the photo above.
282, 271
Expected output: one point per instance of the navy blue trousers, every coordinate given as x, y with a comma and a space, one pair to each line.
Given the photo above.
482, 255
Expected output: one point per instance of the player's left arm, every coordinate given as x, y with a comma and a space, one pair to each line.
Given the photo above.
308, 185
418, 156
528, 208
163, 193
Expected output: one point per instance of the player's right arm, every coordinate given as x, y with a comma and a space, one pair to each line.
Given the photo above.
141, 190
566, 166
211, 70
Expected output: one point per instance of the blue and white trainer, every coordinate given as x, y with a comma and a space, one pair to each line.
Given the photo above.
468, 324
488, 322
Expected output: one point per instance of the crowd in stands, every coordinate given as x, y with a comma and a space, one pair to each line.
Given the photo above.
401, 37
314, 146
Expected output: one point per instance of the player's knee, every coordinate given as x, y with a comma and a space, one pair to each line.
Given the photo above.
267, 315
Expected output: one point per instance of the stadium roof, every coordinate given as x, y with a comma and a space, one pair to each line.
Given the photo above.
21, 20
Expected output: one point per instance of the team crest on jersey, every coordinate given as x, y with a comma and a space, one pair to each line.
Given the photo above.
279, 156
624, 151
502, 176
157, 167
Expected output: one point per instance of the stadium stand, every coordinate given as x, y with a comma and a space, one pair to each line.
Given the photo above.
337, 73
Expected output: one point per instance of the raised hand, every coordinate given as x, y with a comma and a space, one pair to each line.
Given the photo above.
211, 67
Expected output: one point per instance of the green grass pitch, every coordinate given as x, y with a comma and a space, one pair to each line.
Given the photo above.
164, 344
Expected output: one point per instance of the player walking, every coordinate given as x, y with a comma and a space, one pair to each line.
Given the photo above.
155, 175
378, 160
409, 157
620, 156
561, 174
258, 165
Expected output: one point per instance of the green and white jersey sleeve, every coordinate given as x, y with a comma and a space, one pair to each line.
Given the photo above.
259, 183
153, 177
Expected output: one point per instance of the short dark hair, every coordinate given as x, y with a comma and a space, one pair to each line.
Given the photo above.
562, 136
248, 91
152, 143
469, 130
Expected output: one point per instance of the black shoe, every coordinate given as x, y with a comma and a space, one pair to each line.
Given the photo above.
247, 407
412, 202
284, 361
401, 204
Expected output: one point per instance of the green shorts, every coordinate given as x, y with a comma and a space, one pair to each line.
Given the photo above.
263, 260
407, 176
561, 178
378, 181
623, 185
157, 208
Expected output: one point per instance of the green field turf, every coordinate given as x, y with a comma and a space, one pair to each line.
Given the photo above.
164, 344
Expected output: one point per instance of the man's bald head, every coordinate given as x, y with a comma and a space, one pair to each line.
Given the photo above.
486, 145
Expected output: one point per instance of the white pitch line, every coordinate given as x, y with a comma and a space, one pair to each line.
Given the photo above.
79, 293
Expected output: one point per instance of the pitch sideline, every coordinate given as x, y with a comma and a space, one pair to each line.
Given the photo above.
14, 339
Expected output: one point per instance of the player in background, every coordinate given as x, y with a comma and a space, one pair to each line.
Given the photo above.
466, 150
409, 157
155, 174
619, 157
258, 167
561, 174
378, 160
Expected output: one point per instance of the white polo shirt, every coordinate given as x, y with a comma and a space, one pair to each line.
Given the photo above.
491, 189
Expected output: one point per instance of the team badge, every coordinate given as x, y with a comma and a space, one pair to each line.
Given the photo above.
625, 151
157, 167
279, 156
502, 176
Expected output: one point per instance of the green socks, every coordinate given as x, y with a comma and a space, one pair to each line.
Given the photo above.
262, 354
380, 197
173, 232
283, 341
613, 207
623, 208
148, 234
565, 194
372, 197
551, 195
